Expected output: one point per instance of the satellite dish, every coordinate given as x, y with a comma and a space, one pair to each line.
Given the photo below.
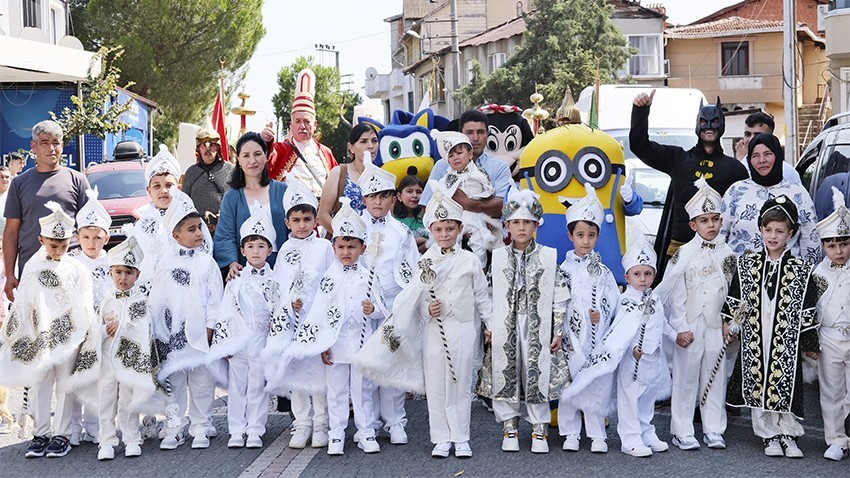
371, 73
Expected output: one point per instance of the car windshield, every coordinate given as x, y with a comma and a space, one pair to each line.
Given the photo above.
651, 185
119, 184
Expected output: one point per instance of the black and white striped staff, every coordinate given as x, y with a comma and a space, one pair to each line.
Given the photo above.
595, 270
648, 310
428, 276
734, 327
25, 418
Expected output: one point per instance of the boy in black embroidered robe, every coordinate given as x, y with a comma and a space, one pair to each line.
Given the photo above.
774, 296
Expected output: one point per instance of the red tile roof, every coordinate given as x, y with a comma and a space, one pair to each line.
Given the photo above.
734, 26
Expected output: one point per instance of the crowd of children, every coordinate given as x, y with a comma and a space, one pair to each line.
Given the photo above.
360, 319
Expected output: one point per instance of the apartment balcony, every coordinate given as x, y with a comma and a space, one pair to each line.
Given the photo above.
735, 89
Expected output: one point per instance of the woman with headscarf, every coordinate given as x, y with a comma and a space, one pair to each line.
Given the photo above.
740, 206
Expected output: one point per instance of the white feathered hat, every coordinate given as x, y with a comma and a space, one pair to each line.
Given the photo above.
836, 224
347, 223
588, 208
128, 253
93, 214
163, 163
58, 224
258, 224
374, 179
705, 201
441, 207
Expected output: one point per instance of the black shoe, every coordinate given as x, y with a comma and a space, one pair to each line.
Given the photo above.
59, 446
37, 447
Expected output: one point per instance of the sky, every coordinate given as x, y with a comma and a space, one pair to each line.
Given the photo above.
358, 31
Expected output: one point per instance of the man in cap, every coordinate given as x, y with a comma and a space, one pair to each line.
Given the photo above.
208, 179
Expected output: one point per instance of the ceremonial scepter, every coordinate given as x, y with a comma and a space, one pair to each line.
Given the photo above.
25, 418
428, 276
648, 310
734, 327
595, 271
378, 249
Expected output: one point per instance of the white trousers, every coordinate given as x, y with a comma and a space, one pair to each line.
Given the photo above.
85, 418
247, 403
198, 386
692, 367
834, 379
636, 405
449, 402
767, 424
310, 411
343, 381
41, 396
535, 413
114, 400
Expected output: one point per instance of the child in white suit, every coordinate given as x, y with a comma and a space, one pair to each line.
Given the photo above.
643, 376
126, 384
693, 290
834, 332
240, 334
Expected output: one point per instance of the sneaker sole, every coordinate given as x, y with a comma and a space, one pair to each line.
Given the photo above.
463, 455
57, 454
32, 454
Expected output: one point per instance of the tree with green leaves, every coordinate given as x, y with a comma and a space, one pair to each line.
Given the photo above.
97, 111
173, 49
331, 103
564, 44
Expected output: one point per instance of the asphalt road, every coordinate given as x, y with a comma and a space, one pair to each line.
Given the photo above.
744, 457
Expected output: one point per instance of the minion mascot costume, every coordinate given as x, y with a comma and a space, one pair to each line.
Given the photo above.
508, 134
405, 145
565, 164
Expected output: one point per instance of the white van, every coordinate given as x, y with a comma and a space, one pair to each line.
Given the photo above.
672, 120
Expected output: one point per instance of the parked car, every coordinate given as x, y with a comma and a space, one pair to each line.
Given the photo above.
826, 162
121, 186
652, 186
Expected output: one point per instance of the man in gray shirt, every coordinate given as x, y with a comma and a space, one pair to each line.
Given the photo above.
47, 181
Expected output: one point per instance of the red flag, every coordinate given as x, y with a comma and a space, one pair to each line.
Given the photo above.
218, 122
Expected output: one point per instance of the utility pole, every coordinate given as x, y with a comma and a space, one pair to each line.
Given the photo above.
331, 49
453, 110
789, 87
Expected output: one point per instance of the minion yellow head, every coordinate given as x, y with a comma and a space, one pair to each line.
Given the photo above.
561, 161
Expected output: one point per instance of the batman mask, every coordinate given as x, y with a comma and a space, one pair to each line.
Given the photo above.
711, 117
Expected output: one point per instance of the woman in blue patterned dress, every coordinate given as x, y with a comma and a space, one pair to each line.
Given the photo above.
743, 200
362, 138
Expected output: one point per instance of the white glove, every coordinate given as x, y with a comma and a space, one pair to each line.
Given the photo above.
627, 192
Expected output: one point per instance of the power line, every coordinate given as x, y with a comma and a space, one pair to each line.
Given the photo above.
283, 52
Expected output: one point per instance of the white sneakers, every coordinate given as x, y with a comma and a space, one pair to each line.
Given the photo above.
236, 441
539, 438
571, 443
369, 445
462, 450
772, 447
510, 442
106, 452
835, 452
397, 435
172, 441
599, 445
789, 445
336, 447
132, 450
200, 442
686, 443
442, 449
658, 446
254, 441
639, 451
319, 439
300, 437
714, 440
